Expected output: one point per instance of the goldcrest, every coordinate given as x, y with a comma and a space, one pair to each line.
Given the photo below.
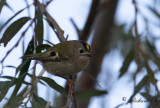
65, 58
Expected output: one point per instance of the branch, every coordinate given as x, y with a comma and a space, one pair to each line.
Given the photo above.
74, 24
90, 20
29, 90
84, 34
48, 104
102, 38
137, 42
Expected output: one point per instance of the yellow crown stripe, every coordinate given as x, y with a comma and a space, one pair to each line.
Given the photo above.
88, 47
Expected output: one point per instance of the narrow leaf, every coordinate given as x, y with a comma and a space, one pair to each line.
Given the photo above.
9, 7
2, 3
39, 26
42, 47
139, 86
7, 77
23, 71
146, 95
13, 29
4, 87
126, 63
151, 75
151, 47
154, 11
39, 102
31, 76
15, 80
89, 93
21, 66
10, 66
54, 85
17, 100
155, 56
11, 18
153, 100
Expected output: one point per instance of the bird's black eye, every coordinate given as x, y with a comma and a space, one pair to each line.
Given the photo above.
81, 51
52, 53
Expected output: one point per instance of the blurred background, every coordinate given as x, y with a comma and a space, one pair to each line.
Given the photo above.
124, 37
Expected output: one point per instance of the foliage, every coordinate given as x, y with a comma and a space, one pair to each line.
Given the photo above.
19, 94
135, 47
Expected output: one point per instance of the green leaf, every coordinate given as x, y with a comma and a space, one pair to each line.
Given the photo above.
13, 29
146, 95
23, 71
154, 56
17, 100
126, 63
42, 47
21, 66
153, 79
153, 100
4, 87
151, 47
15, 80
39, 102
8, 77
9, 7
2, 3
54, 85
10, 66
154, 11
39, 26
89, 93
151, 75
31, 76
139, 86
11, 18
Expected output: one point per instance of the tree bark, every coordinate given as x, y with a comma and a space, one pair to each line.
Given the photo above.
102, 39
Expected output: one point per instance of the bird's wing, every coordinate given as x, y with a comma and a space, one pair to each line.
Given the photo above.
45, 56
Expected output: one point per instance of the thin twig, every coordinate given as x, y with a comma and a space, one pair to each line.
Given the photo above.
74, 24
152, 74
35, 28
23, 45
71, 91
2, 69
49, 42
90, 20
74, 100
29, 90
137, 41
48, 104
67, 37
28, 7
84, 34
48, 2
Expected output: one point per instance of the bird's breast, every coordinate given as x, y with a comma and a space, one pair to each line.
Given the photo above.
64, 68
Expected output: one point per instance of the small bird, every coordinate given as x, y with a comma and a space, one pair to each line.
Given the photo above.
65, 58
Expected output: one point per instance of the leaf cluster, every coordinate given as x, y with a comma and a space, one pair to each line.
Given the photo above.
35, 45
140, 48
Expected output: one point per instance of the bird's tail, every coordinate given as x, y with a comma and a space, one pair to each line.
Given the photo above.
31, 56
